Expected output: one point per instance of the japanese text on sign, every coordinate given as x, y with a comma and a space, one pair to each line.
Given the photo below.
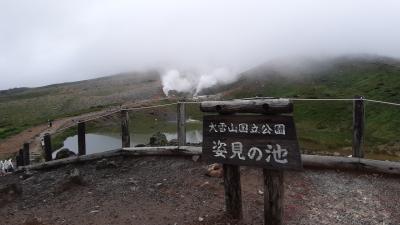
252, 128
235, 150
267, 141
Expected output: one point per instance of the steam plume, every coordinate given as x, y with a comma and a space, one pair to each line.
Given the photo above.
195, 82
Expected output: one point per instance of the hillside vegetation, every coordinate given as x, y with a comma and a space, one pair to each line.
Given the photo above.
327, 125
323, 126
25, 107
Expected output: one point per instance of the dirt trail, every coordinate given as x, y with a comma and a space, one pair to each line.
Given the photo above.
175, 190
33, 135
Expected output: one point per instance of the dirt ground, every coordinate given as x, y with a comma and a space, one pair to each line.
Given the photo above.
172, 190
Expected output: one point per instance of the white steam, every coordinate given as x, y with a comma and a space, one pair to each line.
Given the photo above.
194, 82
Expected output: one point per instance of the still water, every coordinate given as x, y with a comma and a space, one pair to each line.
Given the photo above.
100, 142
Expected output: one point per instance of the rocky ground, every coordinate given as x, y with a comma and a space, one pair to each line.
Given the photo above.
172, 190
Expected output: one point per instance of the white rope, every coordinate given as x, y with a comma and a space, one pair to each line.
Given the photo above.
324, 99
199, 102
98, 117
191, 102
305, 99
62, 129
150, 107
382, 102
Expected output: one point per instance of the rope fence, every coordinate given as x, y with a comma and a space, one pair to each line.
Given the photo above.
358, 121
199, 102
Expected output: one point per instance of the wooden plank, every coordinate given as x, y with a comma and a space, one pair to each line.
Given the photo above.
47, 147
263, 106
126, 139
72, 160
81, 138
345, 163
309, 161
273, 197
26, 155
163, 151
181, 120
233, 191
251, 140
358, 127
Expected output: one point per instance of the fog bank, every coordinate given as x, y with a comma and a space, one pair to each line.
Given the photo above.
45, 41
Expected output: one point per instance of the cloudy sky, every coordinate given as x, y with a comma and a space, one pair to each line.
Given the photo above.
47, 41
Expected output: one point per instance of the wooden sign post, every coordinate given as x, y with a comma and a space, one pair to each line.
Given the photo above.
268, 141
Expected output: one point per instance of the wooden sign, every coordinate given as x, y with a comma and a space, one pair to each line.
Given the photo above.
267, 141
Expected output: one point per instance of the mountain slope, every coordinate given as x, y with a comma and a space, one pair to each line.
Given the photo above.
23, 108
328, 124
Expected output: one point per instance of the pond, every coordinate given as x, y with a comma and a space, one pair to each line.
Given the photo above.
100, 142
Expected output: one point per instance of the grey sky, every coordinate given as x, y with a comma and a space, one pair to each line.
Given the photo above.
47, 41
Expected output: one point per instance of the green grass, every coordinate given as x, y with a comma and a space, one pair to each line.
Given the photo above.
23, 108
327, 126
321, 126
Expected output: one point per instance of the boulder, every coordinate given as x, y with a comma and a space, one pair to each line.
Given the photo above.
158, 139
64, 153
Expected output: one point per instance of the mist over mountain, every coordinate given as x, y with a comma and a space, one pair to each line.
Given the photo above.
65, 41
320, 124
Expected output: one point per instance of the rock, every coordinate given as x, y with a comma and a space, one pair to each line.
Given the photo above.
104, 164
205, 184
201, 219
158, 139
173, 142
64, 153
75, 177
195, 158
215, 170
33, 221
336, 154
27, 174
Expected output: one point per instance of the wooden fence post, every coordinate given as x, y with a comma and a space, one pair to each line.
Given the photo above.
273, 197
233, 191
81, 138
25, 153
20, 158
358, 126
47, 147
181, 127
126, 140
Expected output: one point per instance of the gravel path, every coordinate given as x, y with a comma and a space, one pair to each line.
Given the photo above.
169, 190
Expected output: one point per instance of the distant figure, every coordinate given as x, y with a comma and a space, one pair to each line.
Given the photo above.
50, 122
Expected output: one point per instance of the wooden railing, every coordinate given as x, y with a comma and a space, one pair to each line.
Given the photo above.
23, 156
